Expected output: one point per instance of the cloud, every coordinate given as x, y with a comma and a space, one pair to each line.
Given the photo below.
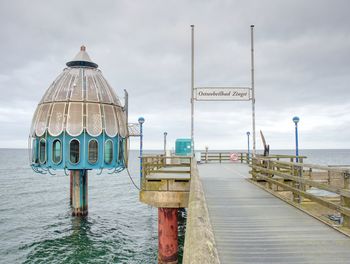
302, 65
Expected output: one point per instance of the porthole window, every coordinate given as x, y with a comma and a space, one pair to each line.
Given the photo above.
56, 151
74, 151
121, 150
93, 151
108, 151
34, 151
42, 150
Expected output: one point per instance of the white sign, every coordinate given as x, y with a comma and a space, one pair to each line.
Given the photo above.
222, 94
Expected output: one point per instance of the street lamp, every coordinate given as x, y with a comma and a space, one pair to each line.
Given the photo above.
141, 121
165, 134
248, 134
296, 121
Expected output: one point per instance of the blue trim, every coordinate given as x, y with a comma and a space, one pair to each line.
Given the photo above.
118, 152
248, 150
296, 143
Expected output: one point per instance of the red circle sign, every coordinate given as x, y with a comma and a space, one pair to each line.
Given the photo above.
234, 156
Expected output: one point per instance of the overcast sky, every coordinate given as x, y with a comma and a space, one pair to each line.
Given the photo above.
302, 65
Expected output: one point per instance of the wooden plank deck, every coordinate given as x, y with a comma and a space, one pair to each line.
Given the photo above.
178, 173
252, 226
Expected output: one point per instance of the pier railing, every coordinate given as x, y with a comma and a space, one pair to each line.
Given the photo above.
282, 157
165, 181
160, 164
328, 187
223, 156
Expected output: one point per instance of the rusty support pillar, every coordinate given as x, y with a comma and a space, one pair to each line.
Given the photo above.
70, 187
167, 236
79, 192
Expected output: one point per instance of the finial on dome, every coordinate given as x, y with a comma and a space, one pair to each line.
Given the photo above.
82, 59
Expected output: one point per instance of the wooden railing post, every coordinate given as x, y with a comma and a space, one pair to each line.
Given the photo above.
254, 163
206, 154
269, 174
329, 177
295, 184
301, 175
220, 157
241, 157
345, 199
144, 162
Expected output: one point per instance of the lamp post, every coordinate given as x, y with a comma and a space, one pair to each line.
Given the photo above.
296, 120
165, 134
192, 90
141, 120
248, 134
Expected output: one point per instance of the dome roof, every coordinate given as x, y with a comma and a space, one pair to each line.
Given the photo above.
80, 98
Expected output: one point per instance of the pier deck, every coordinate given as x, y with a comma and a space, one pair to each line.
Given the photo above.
182, 173
252, 226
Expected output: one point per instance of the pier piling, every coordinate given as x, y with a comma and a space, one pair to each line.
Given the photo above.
71, 188
167, 235
79, 192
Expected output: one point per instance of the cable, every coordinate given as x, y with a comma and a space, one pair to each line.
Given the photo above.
132, 179
127, 170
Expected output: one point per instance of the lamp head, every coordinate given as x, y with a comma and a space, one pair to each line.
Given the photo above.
248, 133
296, 120
141, 120
165, 134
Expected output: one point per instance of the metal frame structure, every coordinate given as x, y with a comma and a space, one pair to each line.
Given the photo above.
252, 89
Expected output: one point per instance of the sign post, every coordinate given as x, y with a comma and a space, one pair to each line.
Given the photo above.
253, 88
192, 89
223, 93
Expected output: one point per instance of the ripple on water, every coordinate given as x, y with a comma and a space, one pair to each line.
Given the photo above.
36, 225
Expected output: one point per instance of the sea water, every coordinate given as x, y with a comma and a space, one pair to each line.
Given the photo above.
36, 225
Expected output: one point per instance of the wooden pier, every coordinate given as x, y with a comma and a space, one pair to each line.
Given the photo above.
251, 225
235, 214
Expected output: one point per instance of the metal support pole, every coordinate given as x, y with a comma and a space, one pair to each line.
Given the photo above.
71, 187
168, 247
296, 121
296, 143
141, 146
253, 88
165, 134
141, 121
126, 107
192, 89
79, 192
248, 155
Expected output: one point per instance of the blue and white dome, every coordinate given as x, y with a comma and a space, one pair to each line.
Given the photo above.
79, 122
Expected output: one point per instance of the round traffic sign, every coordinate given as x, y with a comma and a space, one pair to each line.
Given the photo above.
234, 156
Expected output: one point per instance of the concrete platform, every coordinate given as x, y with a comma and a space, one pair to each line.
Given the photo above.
167, 187
253, 226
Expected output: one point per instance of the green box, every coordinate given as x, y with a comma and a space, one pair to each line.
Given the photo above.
183, 147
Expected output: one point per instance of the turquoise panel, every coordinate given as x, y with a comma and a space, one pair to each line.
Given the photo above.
183, 147
114, 155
